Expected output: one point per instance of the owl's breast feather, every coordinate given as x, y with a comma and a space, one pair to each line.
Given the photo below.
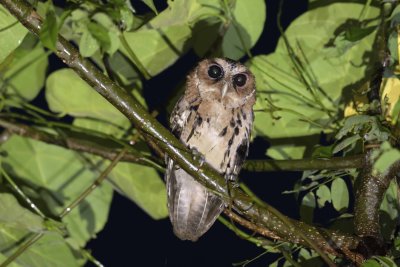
218, 135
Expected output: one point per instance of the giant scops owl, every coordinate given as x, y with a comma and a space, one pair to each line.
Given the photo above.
214, 118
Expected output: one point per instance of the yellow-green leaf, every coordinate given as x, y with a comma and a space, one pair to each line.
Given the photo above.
11, 33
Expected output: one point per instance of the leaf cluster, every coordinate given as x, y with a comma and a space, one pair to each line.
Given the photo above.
316, 81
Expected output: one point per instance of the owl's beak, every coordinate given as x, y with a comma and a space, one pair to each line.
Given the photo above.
224, 90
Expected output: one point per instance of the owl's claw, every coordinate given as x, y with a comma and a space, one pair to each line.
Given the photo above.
198, 156
235, 184
232, 178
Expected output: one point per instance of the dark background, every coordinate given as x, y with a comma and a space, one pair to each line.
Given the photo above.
132, 238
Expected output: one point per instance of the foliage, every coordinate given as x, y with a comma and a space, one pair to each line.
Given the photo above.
313, 83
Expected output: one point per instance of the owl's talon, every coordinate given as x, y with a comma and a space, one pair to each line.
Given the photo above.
198, 156
234, 184
231, 178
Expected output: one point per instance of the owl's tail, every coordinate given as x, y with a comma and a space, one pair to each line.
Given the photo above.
192, 208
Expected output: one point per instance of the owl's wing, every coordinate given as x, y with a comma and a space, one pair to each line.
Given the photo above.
192, 208
242, 152
240, 156
179, 117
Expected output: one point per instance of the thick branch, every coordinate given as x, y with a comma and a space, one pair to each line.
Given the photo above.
372, 187
251, 226
369, 195
305, 164
328, 241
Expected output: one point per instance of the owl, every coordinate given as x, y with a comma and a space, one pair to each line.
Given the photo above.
214, 119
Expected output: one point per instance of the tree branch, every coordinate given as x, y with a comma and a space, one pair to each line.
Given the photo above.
107, 149
371, 187
97, 146
348, 162
77, 142
328, 241
369, 195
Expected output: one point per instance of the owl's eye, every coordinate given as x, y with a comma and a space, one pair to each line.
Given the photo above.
239, 80
215, 72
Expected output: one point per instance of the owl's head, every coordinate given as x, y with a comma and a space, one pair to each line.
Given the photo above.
224, 80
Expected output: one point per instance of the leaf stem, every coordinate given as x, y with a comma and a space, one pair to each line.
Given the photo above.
348, 162
21, 249
22, 194
90, 144
67, 209
134, 58
231, 17
94, 185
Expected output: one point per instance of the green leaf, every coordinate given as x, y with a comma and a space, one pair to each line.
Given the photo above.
49, 30
150, 4
369, 127
68, 94
288, 151
123, 67
297, 110
99, 126
385, 261
395, 114
307, 207
205, 33
322, 152
340, 194
166, 37
60, 176
392, 44
389, 211
356, 33
371, 263
157, 49
345, 143
308, 258
395, 17
142, 185
106, 32
11, 33
186, 12
49, 251
89, 217
354, 124
3, 258
88, 45
388, 157
323, 195
26, 73
100, 33
249, 17
14, 216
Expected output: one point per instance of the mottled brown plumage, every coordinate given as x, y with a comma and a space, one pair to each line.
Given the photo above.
214, 118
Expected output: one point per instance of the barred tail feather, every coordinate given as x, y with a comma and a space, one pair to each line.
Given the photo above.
192, 208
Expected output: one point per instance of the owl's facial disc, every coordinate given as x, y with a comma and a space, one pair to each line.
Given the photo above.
224, 90
227, 81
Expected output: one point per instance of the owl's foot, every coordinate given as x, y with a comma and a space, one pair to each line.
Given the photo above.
232, 178
235, 184
198, 156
